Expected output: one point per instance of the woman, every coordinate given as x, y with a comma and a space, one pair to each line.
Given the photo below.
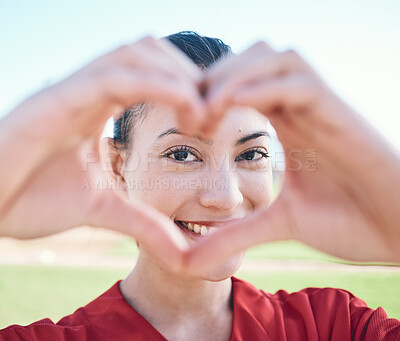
199, 158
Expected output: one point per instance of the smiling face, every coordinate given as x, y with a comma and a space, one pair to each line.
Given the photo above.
201, 184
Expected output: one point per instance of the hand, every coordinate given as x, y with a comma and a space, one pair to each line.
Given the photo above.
44, 184
347, 204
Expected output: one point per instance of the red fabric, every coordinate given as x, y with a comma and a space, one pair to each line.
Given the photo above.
310, 314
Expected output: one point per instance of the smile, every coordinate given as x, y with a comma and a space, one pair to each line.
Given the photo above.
200, 229
195, 228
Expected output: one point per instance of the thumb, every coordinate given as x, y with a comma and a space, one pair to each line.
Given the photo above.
263, 226
155, 231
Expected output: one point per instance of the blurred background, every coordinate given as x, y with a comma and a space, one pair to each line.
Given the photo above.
354, 45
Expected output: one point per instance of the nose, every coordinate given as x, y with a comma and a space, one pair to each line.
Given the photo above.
221, 191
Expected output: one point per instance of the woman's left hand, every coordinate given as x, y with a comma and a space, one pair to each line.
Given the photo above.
341, 188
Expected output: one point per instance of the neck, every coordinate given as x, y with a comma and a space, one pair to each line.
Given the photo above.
159, 295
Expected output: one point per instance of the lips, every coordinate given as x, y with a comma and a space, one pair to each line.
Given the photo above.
196, 228
201, 228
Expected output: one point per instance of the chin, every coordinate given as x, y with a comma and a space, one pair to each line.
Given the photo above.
224, 270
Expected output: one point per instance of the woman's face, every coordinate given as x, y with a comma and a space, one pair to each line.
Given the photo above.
201, 184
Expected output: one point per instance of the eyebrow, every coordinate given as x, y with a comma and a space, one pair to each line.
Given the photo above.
242, 140
175, 131
252, 137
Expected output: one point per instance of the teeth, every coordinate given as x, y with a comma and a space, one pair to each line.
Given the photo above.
196, 228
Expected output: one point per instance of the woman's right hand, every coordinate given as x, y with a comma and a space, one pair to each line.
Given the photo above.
49, 146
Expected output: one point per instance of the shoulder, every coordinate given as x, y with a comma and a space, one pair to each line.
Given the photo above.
315, 313
44, 330
304, 301
308, 298
81, 325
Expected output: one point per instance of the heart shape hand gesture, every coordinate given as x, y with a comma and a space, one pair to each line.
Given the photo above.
346, 205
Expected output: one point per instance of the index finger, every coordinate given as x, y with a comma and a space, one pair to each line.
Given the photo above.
224, 68
187, 65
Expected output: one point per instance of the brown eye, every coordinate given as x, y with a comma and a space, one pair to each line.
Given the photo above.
182, 154
252, 155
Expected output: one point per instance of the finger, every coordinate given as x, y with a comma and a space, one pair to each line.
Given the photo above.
258, 68
176, 58
188, 66
263, 226
155, 231
152, 54
151, 59
224, 76
211, 122
222, 69
294, 90
191, 114
171, 62
291, 104
127, 87
234, 71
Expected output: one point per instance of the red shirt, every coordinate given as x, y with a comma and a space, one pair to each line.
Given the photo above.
310, 314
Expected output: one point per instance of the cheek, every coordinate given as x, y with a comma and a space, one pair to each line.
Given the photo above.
257, 187
163, 190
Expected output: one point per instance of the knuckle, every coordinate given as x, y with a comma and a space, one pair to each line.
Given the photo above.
104, 75
261, 46
107, 79
148, 40
122, 50
290, 60
121, 54
291, 52
290, 55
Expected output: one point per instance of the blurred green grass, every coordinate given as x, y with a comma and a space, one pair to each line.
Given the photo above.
30, 293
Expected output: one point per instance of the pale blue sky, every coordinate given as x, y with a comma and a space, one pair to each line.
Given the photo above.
355, 45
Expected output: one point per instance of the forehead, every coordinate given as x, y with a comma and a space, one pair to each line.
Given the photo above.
236, 120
